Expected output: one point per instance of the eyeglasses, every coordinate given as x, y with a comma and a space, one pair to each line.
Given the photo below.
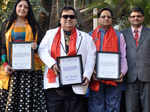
109, 17
138, 16
69, 16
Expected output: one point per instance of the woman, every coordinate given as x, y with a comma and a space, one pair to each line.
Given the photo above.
25, 90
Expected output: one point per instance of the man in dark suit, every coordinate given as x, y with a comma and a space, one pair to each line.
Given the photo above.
137, 38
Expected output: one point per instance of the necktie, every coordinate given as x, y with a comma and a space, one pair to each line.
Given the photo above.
67, 38
136, 37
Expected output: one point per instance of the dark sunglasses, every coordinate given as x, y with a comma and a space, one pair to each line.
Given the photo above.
69, 16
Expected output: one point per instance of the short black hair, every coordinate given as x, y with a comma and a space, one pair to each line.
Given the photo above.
137, 9
105, 9
67, 8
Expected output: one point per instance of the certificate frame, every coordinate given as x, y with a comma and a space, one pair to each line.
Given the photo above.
72, 64
26, 55
107, 65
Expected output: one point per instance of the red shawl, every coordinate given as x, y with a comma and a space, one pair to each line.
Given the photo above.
55, 50
110, 44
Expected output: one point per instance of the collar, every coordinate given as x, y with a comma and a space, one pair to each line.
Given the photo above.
68, 33
139, 29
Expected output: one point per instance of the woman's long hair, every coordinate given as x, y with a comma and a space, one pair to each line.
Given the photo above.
30, 17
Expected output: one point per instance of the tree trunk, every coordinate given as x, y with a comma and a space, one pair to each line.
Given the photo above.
75, 4
83, 3
54, 15
68, 2
43, 17
95, 20
47, 4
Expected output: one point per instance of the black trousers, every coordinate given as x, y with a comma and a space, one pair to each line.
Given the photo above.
138, 97
64, 100
122, 104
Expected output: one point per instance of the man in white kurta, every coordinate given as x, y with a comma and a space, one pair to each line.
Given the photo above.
58, 42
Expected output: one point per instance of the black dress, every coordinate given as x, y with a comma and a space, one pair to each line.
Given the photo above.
26, 92
3, 99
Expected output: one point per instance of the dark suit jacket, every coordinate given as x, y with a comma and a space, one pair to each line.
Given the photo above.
138, 58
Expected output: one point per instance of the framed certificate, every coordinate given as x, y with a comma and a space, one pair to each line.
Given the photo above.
21, 55
107, 65
71, 70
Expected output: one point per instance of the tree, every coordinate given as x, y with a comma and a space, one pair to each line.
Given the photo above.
121, 9
48, 15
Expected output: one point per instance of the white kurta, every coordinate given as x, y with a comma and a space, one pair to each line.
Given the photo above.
86, 48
